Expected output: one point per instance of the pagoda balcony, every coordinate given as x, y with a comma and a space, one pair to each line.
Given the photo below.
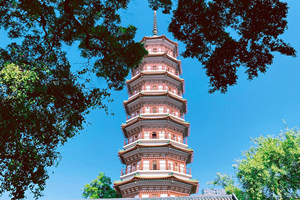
169, 167
184, 173
128, 145
155, 72
163, 57
183, 141
155, 92
161, 53
131, 118
144, 114
159, 74
152, 115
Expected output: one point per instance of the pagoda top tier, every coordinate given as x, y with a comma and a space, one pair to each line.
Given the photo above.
157, 38
162, 40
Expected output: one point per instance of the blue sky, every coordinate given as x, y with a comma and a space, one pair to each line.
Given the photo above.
221, 125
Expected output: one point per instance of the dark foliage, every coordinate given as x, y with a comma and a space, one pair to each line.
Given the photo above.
166, 5
224, 35
39, 116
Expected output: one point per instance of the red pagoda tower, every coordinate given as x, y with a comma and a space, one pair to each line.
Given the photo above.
155, 151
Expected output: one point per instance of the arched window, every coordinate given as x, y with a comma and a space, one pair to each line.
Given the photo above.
154, 67
154, 165
133, 167
154, 135
174, 137
138, 165
155, 50
154, 109
128, 169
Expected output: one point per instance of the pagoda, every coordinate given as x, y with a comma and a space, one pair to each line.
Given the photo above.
155, 151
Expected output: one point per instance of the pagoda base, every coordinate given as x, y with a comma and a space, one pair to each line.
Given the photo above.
167, 186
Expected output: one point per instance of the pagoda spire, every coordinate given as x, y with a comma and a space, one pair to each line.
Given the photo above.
155, 31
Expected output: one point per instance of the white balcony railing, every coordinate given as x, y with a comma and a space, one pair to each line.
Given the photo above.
155, 91
145, 114
131, 143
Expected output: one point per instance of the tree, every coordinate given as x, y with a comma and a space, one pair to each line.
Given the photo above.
37, 115
224, 35
269, 170
44, 102
227, 182
100, 188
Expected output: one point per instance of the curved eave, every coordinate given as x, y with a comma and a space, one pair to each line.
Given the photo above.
158, 94
168, 57
159, 37
194, 184
138, 146
169, 117
146, 73
169, 145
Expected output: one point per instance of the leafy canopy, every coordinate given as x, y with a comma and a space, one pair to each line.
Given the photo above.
225, 35
270, 169
36, 117
43, 102
100, 188
227, 182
